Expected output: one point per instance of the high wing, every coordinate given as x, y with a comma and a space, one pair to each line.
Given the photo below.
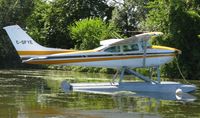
134, 39
138, 38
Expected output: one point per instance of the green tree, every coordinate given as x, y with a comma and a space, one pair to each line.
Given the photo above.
128, 15
180, 22
184, 27
65, 12
11, 12
15, 11
158, 17
88, 32
38, 22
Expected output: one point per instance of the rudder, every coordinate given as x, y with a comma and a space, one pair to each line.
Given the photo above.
25, 46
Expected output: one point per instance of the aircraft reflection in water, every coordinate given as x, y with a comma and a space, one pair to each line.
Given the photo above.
121, 54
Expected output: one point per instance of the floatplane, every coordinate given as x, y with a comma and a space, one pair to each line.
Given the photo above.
122, 54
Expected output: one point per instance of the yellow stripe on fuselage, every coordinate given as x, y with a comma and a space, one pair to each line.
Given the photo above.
24, 53
80, 60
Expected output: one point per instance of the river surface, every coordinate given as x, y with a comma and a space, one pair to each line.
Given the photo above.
38, 94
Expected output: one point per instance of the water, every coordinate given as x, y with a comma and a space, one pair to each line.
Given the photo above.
37, 94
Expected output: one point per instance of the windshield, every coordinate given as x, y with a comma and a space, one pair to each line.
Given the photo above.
147, 44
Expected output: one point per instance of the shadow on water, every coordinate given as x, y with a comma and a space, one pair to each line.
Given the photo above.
37, 94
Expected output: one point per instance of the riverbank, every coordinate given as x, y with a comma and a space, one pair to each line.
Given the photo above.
144, 71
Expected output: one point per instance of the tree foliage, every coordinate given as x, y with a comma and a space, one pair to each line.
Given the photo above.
180, 22
78, 23
158, 17
65, 12
38, 22
128, 15
12, 12
88, 32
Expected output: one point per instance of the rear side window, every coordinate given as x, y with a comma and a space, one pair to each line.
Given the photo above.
113, 49
131, 47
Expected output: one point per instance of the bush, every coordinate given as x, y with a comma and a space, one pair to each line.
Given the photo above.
87, 33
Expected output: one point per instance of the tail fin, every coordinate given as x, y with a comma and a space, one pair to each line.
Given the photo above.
25, 46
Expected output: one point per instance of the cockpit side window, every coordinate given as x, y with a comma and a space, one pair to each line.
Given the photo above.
131, 47
113, 49
134, 47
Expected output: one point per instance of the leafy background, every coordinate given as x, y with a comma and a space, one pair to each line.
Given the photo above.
81, 24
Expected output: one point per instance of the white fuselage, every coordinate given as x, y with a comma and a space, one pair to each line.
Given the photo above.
153, 57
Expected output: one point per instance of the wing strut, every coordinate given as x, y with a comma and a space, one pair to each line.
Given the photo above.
145, 52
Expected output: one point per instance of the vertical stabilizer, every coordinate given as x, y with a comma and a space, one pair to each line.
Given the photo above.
26, 46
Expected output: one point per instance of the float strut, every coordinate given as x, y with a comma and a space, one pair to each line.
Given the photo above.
158, 74
134, 73
122, 74
150, 73
115, 76
146, 79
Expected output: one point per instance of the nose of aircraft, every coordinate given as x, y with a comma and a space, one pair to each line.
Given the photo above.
177, 51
